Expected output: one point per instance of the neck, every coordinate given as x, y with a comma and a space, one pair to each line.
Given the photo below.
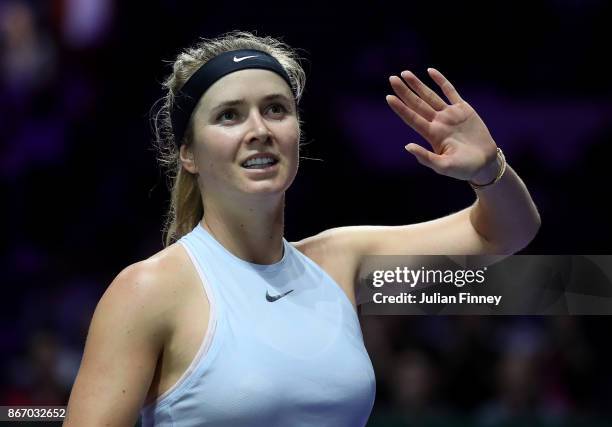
252, 230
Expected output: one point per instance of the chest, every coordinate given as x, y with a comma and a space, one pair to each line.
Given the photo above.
299, 356
191, 326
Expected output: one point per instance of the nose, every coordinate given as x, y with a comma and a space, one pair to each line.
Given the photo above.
258, 131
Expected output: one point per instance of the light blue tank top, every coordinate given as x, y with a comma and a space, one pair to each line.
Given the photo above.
298, 360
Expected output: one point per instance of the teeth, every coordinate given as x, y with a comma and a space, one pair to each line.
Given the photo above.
258, 161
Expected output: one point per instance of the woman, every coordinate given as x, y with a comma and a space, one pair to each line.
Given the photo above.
230, 324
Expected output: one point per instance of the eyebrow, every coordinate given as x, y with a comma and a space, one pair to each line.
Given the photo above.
234, 102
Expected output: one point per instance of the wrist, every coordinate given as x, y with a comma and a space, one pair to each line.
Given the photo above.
487, 173
486, 170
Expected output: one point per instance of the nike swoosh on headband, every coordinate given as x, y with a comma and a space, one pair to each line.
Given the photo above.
276, 297
243, 58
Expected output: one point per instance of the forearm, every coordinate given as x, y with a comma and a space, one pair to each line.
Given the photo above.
504, 212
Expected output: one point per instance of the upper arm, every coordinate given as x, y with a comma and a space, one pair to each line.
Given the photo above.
125, 337
452, 235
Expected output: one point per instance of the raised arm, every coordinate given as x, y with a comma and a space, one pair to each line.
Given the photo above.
502, 220
504, 213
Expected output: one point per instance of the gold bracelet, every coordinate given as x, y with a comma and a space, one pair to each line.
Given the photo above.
500, 154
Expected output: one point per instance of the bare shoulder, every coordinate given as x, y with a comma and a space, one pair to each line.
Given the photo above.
146, 287
327, 243
130, 326
172, 265
339, 242
158, 281
331, 250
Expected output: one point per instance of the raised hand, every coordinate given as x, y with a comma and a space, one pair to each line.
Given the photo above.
462, 145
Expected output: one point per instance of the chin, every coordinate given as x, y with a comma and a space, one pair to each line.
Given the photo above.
277, 184
268, 187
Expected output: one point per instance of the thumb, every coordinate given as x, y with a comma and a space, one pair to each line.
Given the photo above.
423, 156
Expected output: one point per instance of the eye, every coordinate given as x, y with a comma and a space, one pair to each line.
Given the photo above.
280, 108
225, 114
231, 114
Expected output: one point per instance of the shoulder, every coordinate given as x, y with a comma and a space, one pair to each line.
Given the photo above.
314, 246
334, 251
129, 329
152, 288
344, 241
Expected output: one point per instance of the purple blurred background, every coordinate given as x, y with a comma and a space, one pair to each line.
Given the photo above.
83, 197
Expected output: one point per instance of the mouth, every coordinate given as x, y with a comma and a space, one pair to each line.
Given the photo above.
260, 162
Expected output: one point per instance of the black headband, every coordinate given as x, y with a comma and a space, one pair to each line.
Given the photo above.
217, 67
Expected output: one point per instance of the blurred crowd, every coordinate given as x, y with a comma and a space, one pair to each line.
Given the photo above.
486, 371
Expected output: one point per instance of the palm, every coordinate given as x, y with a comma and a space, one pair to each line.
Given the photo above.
461, 142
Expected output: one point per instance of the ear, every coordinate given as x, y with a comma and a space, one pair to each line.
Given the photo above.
188, 159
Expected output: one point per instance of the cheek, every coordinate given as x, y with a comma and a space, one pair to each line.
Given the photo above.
213, 156
292, 153
291, 140
216, 148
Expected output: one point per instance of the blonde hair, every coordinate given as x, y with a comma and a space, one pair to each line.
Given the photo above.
186, 208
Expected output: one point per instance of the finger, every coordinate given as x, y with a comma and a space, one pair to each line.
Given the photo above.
446, 86
410, 117
423, 91
411, 99
427, 158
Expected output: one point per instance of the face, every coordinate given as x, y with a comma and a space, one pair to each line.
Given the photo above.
245, 113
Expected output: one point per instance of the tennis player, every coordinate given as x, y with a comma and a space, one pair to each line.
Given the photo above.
230, 324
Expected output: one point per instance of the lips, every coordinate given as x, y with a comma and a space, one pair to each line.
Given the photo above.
260, 156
